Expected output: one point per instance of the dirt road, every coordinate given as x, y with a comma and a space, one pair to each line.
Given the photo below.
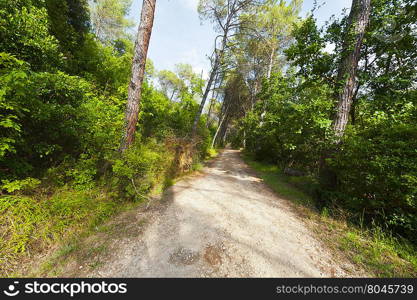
224, 223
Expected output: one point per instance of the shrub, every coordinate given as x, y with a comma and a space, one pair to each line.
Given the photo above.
31, 223
377, 172
292, 130
140, 168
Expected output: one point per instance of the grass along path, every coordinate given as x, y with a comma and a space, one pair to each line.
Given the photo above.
372, 249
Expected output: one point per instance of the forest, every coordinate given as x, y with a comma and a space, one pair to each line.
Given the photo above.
89, 127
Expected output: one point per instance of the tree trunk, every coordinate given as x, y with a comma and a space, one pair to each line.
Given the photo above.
172, 95
219, 126
211, 101
268, 76
213, 143
213, 73
271, 63
209, 111
205, 95
355, 31
210, 121
224, 130
357, 23
138, 70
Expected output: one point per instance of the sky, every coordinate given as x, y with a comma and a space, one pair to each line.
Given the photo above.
178, 35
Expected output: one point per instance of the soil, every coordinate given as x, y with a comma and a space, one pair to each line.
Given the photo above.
224, 222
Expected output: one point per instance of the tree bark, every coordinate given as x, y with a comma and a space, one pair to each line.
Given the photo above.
172, 95
138, 70
205, 95
213, 73
224, 111
209, 120
213, 143
357, 22
209, 111
271, 63
211, 101
268, 76
224, 130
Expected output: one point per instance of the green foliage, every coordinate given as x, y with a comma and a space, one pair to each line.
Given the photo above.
374, 165
379, 252
34, 222
159, 117
13, 77
377, 175
69, 23
24, 33
140, 168
192, 81
308, 52
105, 65
291, 132
170, 83
18, 185
48, 107
108, 18
83, 173
63, 94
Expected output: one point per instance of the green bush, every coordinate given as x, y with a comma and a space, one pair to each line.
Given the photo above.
31, 223
62, 102
141, 168
24, 33
377, 174
292, 130
375, 166
20, 185
44, 120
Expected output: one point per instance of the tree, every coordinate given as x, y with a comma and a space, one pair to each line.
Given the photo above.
69, 23
25, 33
108, 18
357, 22
138, 71
225, 14
194, 81
170, 83
262, 40
235, 103
150, 71
270, 30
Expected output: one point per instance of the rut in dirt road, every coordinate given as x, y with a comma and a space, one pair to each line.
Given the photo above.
224, 223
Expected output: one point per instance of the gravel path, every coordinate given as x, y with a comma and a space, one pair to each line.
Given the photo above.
223, 223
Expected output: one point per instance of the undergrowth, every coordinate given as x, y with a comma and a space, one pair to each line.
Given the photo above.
34, 220
33, 223
371, 248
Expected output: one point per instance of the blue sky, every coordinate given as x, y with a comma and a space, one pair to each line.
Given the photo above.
179, 37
